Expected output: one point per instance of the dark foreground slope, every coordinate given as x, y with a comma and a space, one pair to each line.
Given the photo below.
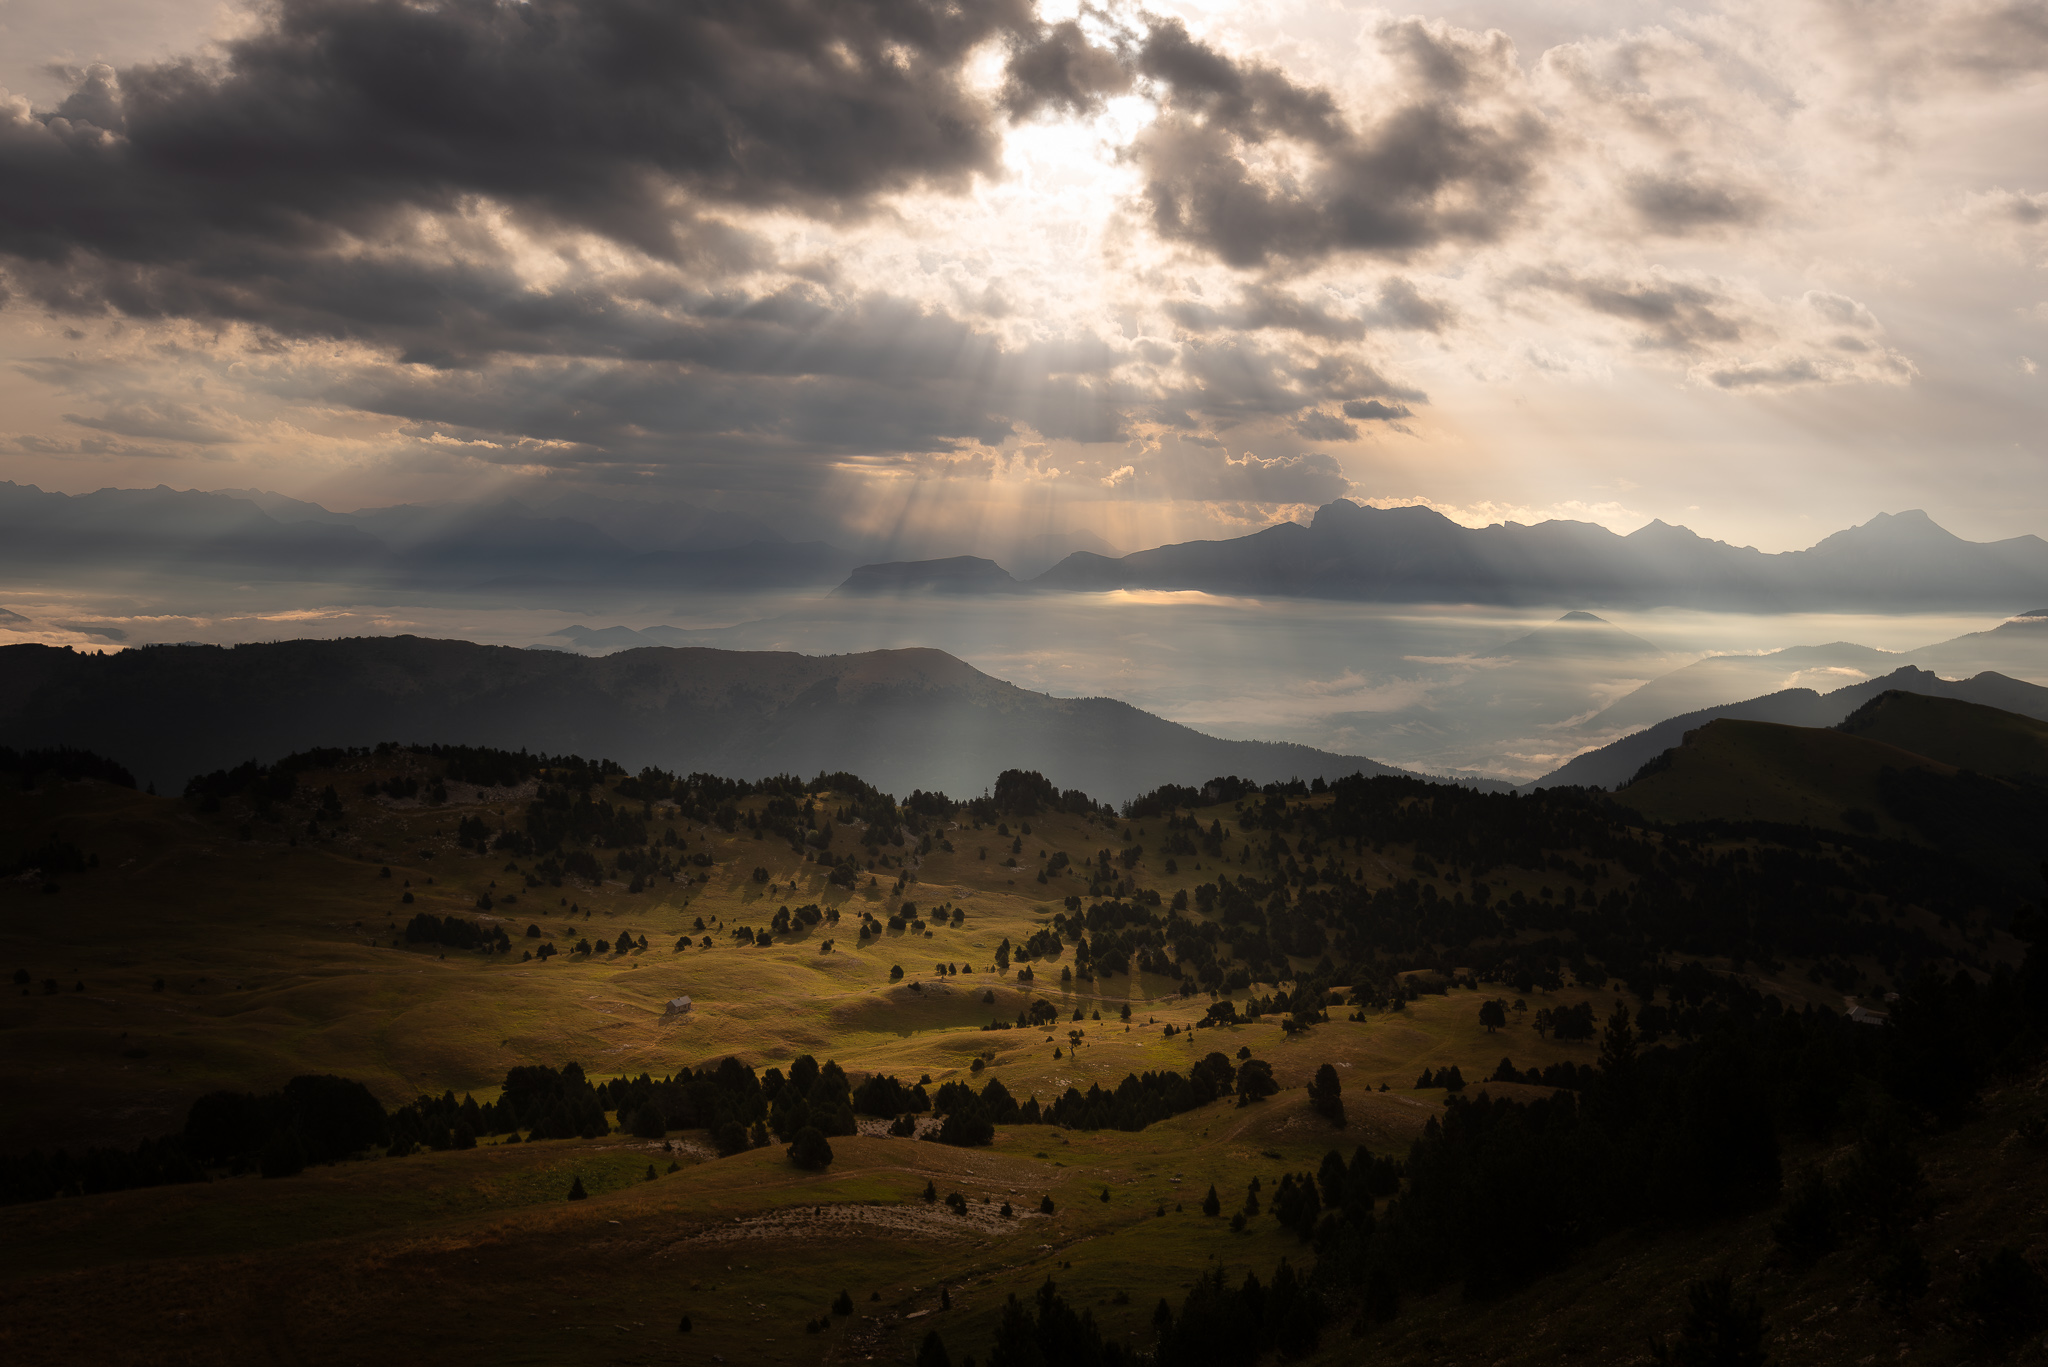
904, 718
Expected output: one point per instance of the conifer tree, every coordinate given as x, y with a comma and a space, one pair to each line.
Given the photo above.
576, 1191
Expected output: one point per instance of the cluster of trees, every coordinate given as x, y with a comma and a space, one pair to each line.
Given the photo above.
53, 858
1499, 1192
311, 1119
1026, 792
456, 932
31, 768
1218, 1323
1623, 898
1568, 1076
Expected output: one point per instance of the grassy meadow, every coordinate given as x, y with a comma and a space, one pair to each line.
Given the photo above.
208, 960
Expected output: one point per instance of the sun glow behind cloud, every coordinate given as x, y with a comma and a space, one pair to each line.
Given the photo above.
1115, 269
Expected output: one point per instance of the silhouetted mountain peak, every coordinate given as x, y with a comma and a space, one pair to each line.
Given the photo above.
1343, 514
954, 574
1577, 635
1911, 529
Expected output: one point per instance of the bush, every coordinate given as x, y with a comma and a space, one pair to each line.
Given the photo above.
1719, 1331
811, 1149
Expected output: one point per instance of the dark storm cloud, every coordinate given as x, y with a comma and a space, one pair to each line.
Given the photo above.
1425, 169
1058, 68
592, 113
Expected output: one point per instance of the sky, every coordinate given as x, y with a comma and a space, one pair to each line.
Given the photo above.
942, 274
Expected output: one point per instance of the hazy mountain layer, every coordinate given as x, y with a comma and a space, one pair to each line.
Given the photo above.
904, 718
1417, 555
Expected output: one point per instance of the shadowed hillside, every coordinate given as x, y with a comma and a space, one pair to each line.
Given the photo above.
1616, 763
1855, 780
1967, 735
1731, 770
909, 718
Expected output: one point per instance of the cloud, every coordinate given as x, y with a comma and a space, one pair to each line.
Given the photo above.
1059, 69
1266, 307
1235, 379
1309, 478
1402, 306
1249, 165
1666, 312
1372, 410
1320, 426
1681, 200
161, 422
333, 116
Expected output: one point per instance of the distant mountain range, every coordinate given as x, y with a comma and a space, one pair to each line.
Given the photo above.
904, 719
1346, 551
1414, 554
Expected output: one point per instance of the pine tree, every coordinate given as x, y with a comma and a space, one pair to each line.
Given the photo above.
1212, 1204
1045, 1205
1326, 1095
576, 1191
932, 1352
842, 1304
